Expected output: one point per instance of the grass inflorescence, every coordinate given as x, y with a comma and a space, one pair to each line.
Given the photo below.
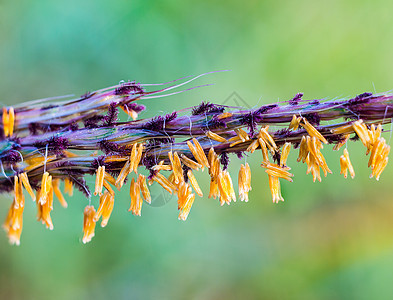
42, 145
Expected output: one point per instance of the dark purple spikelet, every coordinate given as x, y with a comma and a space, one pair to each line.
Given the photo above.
282, 133
11, 157
335, 138
313, 118
73, 126
185, 170
158, 123
207, 108
315, 102
93, 122
134, 106
110, 147
170, 117
295, 100
359, 99
111, 117
249, 119
129, 88
239, 154
224, 160
99, 161
277, 156
215, 123
56, 144
155, 124
265, 108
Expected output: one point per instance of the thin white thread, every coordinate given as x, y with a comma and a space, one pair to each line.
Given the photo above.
190, 125
20, 154
163, 128
2, 170
207, 126
46, 157
128, 113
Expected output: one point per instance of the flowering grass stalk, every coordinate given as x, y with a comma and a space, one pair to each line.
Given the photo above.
43, 144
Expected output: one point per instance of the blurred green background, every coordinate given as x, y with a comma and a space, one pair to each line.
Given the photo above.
329, 240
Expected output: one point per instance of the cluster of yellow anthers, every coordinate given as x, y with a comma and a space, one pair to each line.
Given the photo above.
221, 185
375, 144
43, 198
107, 198
8, 121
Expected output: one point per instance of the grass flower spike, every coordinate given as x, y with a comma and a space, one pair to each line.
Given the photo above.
47, 147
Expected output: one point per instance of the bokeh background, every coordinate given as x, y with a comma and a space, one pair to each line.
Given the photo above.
329, 240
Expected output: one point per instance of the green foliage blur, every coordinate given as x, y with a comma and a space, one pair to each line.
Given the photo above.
329, 240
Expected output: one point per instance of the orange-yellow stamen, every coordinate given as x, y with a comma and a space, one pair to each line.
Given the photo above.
194, 183
244, 182
59, 195
99, 180
312, 131
136, 200
144, 189
216, 137
190, 163
88, 224
25, 180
